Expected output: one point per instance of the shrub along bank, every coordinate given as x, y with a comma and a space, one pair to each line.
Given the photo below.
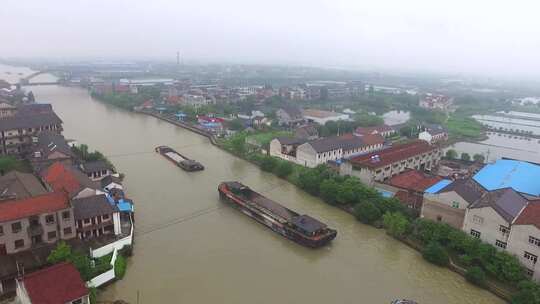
439, 243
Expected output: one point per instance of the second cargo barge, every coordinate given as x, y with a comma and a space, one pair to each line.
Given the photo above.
179, 160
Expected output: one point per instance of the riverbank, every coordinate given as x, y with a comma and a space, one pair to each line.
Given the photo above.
292, 175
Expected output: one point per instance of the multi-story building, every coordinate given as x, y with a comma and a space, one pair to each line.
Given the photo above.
381, 165
33, 221
436, 102
320, 151
384, 131
96, 170
410, 185
490, 217
95, 216
433, 134
289, 116
524, 239
19, 127
322, 117
48, 148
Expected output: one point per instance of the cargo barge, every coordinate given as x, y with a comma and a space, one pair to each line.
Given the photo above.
302, 229
179, 160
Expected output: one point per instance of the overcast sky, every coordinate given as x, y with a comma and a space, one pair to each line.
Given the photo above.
487, 37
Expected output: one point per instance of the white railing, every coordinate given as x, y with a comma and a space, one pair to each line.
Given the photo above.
106, 276
116, 245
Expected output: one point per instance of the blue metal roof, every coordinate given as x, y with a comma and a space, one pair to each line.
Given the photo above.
438, 186
522, 176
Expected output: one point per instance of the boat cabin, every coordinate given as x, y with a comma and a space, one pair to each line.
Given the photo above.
308, 225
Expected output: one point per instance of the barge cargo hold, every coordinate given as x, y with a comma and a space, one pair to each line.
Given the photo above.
302, 229
179, 160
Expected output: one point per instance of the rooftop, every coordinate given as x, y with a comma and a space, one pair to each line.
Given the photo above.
468, 189
94, 166
18, 185
373, 130
530, 215
60, 283
92, 206
320, 113
71, 180
438, 186
518, 175
393, 154
506, 202
45, 203
414, 180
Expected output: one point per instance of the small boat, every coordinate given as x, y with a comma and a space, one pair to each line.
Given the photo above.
302, 229
179, 159
403, 302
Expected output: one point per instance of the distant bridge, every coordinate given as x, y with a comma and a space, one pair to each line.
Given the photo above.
26, 80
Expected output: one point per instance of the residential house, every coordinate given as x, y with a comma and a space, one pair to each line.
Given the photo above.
490, 217
71, 180
433, 134
382, 165
383, 130
58, 284
322, 117
32, 221
289, 116
19, 185
17, 130
110, 182
95, 216
447, 202
96, 170
320, 151
410, 186
7, 110
524, 239
285, 147
308, 132
50, 147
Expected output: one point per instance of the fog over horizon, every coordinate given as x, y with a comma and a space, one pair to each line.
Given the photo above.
499, 38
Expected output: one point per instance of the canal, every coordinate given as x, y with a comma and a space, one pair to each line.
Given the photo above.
190, 248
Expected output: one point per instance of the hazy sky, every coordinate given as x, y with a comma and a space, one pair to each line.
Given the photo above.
491, 37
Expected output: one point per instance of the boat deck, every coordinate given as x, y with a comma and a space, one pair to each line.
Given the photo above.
272, 207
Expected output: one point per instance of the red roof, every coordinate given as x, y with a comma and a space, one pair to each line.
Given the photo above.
413, 180
530, 215
373, 130
60, 283
45, 203
61, 179
393, 154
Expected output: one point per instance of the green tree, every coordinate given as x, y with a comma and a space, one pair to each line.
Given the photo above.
268, 163
476, 275
396, 224
238, 144
436, 254
8, 163
367, 212
329, 190
465, 156
451, 154
529, 293
61, 253
236, 125
479, 158
284, 169
120, 267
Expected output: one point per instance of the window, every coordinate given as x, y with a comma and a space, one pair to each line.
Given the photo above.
78, 301
67, 231
529, 272
534, 241
455, 204
66, 215
1, 230
19, 244
504, 230
500, 244
16, 227
478, 219
49, 219
531, 257
475, 233
105, 217
51, 235
87, 221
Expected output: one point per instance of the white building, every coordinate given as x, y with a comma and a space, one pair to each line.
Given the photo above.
322, 117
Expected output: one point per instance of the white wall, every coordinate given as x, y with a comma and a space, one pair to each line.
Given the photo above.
106, 276
518, 243
489, 228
